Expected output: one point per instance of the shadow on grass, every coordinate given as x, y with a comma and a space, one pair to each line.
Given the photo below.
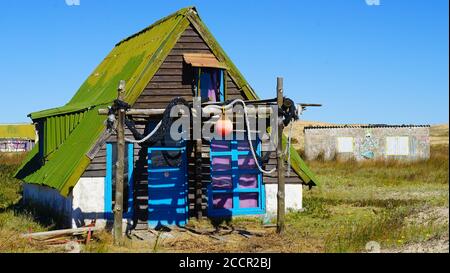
41, 215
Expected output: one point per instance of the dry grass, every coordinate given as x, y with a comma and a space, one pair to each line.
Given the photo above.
439, 134
367, 201
13, 219
11, 159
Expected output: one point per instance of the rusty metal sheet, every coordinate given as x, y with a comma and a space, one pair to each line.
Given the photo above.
203, 60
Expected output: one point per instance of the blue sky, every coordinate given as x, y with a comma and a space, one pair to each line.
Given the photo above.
365, 64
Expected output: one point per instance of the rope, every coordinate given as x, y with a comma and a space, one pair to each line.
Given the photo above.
161, 129
147, 137
230, 105
288, 148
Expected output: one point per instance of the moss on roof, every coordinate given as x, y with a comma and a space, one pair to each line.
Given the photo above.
135, 60
17, 131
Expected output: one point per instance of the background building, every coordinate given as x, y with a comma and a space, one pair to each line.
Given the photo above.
365, 142
17, 137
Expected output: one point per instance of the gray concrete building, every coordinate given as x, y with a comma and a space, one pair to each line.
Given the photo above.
367, 142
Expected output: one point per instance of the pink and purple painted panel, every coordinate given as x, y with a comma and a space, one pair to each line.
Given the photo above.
243, 145
220, 146
220, 182
221, 163
223, 201
248, 181
248, 200
246, 162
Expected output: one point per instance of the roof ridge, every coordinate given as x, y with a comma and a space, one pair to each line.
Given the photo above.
182, 12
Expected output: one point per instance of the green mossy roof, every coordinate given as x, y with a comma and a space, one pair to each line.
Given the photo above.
135, 60
17, 131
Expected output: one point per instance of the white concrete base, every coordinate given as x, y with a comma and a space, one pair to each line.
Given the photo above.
85, 203
88, 201
293, 197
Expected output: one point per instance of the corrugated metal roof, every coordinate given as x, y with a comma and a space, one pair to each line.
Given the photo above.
17, 131
135, 60
363, 126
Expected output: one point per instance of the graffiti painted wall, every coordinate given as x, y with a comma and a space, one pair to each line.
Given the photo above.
15, 145
368, 142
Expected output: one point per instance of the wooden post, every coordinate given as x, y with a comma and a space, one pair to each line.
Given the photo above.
118, 205
280, 161
198, 179
225, 84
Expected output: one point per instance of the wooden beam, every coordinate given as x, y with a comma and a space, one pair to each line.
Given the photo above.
98, 144
118, 204
61, 232
130, 112
225, 84
207, 110
280, 162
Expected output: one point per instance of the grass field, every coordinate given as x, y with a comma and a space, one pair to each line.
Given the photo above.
404, 207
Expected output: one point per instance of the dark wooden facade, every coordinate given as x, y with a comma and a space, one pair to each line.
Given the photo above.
173, 79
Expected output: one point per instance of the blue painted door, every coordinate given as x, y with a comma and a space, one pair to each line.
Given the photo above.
167, 186
110, 193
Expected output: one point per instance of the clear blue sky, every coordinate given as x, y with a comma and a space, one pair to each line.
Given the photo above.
365, 64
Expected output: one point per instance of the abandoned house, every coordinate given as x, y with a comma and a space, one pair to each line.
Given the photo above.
366, 142
72, 172
15, 138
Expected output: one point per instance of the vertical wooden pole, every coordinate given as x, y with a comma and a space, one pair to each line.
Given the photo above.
225, 84
118, 205
198, 179
280, 161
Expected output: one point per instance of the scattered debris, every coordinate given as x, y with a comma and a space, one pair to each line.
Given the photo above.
219, 238
60, 233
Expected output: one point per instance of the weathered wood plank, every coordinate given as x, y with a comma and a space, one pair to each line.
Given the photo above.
178, 71
190, 32
190, 39
94, 173
189, 46
168, 85
162, 98
174, 58
169, 78
161, 92
61, 232
180, 52
171, 65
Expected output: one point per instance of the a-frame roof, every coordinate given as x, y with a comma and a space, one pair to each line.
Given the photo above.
135, 59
